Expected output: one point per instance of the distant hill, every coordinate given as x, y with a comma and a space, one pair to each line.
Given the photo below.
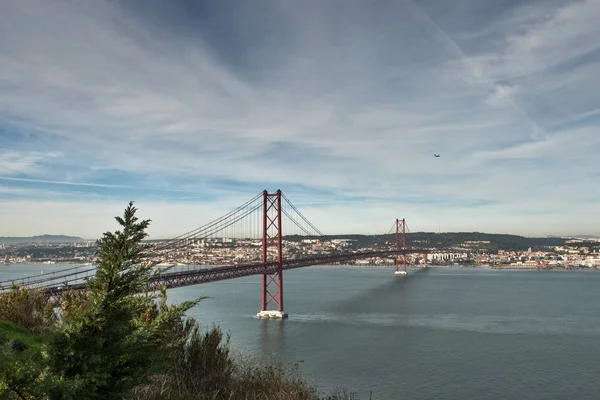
453, 239
41, 239
496, 241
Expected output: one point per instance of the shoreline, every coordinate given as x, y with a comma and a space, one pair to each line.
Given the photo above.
486, 267
354, 266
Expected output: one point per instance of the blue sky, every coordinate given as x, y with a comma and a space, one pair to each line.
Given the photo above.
190, 108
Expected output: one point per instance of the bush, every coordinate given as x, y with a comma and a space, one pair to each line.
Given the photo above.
27, 308
200, 368
204, 369
203, 365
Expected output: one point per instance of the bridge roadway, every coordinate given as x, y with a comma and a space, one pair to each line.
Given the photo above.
170, 280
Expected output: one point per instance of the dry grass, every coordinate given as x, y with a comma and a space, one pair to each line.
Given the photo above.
264, 382
272, 381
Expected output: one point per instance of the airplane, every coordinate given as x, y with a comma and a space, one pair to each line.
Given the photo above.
436, 155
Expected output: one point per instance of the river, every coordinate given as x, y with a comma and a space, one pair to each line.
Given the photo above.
447, 333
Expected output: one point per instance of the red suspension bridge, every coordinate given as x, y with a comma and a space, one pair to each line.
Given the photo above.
248, 240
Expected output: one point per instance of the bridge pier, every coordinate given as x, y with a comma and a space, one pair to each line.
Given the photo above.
271, 314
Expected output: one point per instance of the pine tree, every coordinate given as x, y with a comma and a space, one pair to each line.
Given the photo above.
107, 346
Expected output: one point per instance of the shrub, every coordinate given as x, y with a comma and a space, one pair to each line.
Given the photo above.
200, 368
27, 308
203, 365
204, 369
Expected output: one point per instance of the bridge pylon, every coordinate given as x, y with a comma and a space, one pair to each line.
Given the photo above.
400, 246
272, 281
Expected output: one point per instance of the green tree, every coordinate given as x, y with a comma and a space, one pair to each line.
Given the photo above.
107, 346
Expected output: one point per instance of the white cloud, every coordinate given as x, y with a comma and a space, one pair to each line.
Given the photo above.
15, 162
355, 106
12, 190
501, 94
71, 183
554, 146
537, 37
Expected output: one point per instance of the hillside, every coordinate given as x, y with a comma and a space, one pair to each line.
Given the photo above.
452, 239
41, 239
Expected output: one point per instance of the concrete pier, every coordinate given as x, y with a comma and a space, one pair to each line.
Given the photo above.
271, 314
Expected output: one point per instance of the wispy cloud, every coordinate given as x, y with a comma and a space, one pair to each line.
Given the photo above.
15, 162
69, 183
554, 148
349, 103
546, 38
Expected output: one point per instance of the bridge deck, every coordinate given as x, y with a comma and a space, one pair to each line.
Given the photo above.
172, 280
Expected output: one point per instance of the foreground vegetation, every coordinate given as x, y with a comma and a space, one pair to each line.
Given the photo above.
119, 341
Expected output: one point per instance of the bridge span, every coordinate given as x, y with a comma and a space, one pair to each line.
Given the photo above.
196, 276
266, 213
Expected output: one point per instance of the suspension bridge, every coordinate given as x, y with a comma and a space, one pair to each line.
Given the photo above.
264, 236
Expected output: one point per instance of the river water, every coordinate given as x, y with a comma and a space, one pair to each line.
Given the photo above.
451, 333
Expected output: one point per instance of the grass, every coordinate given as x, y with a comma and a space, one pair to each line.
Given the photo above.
20, 362
11, 332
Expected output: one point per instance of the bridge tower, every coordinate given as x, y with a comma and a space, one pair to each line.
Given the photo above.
400, 241
272, 280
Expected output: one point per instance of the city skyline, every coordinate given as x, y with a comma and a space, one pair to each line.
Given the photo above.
191, 108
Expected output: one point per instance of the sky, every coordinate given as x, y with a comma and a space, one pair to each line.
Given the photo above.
190, 108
